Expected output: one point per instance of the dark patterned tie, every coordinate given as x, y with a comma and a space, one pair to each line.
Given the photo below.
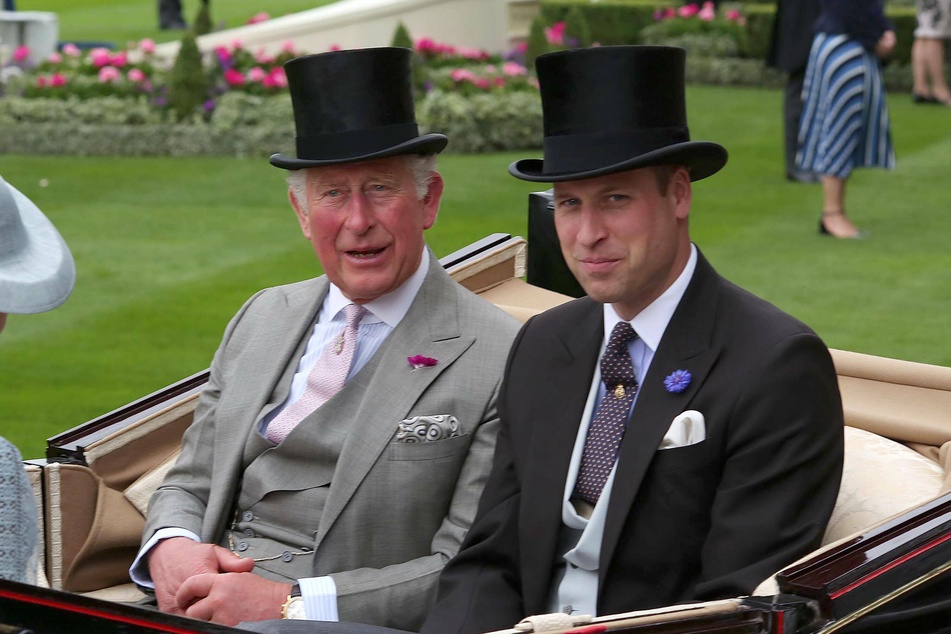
610, 420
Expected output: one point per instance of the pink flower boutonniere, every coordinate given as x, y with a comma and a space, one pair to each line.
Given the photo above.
419, 361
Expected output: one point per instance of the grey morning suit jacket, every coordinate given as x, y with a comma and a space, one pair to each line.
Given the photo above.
395, 512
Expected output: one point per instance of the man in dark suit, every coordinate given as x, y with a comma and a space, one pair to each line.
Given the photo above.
789, 52
704, 452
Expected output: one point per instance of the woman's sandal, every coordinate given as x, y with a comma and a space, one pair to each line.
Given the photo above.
824, 231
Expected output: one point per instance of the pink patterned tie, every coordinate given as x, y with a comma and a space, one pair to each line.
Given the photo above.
325, 379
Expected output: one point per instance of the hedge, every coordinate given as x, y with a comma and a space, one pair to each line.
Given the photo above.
621, 21
244, 125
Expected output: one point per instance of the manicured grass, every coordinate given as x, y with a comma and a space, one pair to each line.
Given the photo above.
168, 249
122, 21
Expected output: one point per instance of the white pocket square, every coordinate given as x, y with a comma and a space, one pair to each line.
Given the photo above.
687, 429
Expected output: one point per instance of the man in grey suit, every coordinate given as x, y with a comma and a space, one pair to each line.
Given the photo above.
348, 511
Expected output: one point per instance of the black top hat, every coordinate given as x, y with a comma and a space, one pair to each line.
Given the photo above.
354, 106
615, 108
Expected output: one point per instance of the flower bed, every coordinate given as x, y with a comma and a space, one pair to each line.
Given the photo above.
102, 102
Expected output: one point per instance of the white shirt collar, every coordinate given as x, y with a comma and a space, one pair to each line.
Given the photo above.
389, 308
650, 323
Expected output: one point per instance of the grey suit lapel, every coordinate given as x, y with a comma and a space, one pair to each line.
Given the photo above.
687, 344
384, 393
272, 354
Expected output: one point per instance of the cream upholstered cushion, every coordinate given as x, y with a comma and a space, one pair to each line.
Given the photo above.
880, 478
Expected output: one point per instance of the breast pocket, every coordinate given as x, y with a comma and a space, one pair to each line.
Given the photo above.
691, 457
433, 450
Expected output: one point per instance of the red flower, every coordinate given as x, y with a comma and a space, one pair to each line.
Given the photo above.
419, 361
234, 77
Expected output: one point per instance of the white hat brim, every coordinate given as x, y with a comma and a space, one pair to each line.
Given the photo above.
37, 272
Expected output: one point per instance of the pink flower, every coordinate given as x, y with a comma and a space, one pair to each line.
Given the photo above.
688, 10
287, 47
256, 74
223, 55
100, 57
108, 74
135, 75
462, 74
57, 80
473, 53
733, 15
21, 53
425, 45
236, 44
147, 46
263, 16
119, 60
514, 69
419, 361
71, 50
262, 57
482, 83
41, 81
234, 77
500, 82
708, 12
55, 58
275, 79
556, 34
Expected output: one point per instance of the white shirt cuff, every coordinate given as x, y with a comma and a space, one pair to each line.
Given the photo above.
139, 570
320, 598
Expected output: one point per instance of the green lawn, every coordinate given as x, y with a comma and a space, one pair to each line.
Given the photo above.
168, 249
122, 21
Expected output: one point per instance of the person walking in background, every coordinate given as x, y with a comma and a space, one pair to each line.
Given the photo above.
927, 52
36, 274
845, 121
170, 15
789, 52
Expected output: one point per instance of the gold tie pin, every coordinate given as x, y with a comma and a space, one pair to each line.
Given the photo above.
619, 391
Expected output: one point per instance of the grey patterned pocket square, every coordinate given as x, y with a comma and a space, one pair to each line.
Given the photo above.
427, 428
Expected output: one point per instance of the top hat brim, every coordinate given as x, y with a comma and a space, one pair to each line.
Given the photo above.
38, 274
425, 144
702, 159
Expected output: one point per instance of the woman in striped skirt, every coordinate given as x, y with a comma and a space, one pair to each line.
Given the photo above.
845, 122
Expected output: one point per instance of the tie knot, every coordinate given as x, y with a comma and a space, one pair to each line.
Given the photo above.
354, 313
616, 366
622, 335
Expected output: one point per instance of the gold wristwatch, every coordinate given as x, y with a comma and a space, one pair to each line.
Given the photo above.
293, 608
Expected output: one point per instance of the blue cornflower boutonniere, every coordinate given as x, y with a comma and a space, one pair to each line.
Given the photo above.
678, 381
419, 361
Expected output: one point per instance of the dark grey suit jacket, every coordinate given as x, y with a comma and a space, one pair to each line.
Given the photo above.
701, 522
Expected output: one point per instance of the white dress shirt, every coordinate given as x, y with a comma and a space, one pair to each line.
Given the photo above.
575, 586
384, 314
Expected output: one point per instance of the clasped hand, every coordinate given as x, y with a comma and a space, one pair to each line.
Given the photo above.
210, 583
